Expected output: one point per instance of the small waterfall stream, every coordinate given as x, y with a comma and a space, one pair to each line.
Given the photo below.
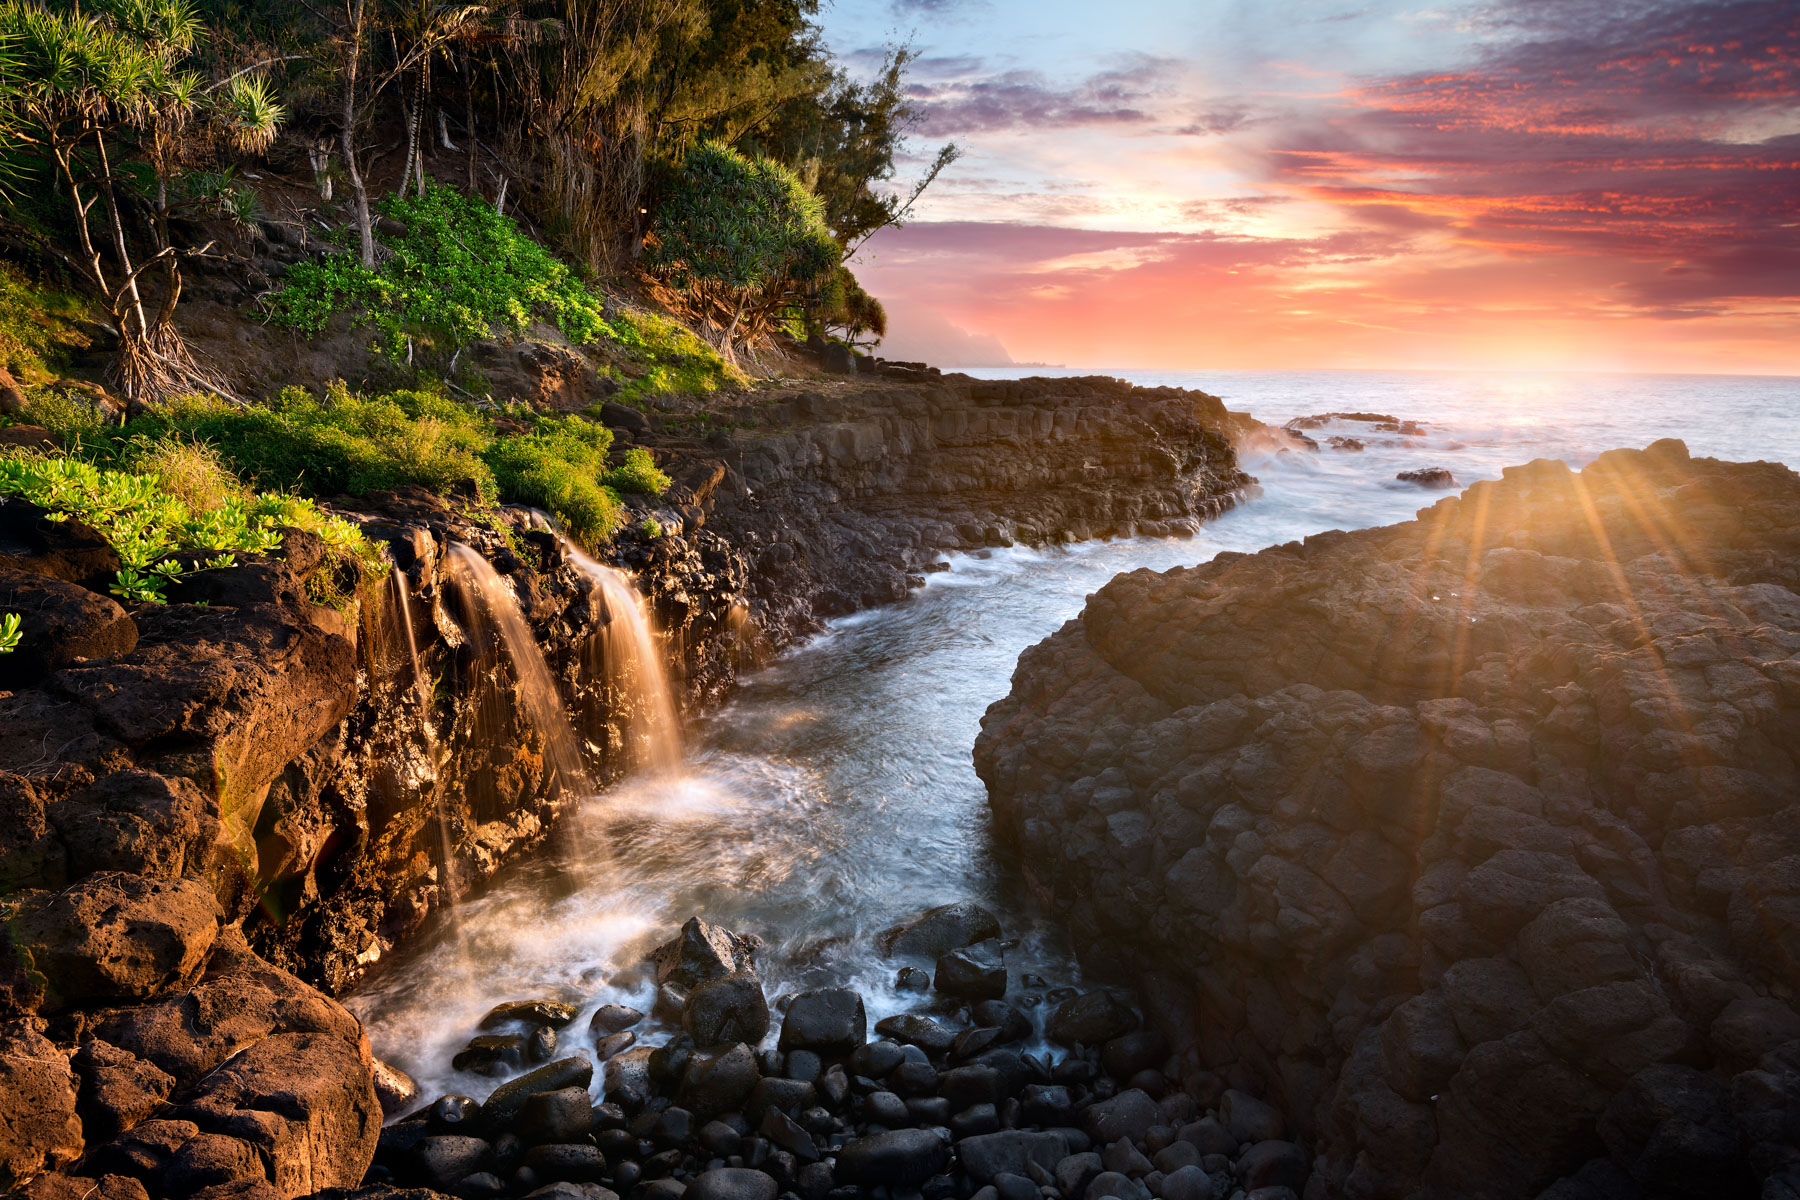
490, 605
629, 662
428, 735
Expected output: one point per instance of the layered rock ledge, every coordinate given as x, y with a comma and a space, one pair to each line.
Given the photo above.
1472, 842
216, 811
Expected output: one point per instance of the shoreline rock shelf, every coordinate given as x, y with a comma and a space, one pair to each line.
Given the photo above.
213, 812
1472, 840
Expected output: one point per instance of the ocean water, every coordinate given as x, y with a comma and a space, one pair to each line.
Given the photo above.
835, 795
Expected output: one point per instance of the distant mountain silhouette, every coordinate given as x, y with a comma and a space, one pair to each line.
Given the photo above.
926, 335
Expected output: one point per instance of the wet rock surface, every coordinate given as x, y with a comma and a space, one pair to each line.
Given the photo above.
820, 1111
209, 808
1469, 842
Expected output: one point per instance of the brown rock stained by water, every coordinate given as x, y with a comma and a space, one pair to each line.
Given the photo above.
1473, 840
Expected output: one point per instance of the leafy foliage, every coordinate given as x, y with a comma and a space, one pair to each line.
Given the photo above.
672, 359
37, 326
639, 473
737, 238
342, 442
10, 634
843, 304
458, 273
159, 537
336, 442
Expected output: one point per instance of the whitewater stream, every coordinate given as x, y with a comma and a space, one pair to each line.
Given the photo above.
835, 795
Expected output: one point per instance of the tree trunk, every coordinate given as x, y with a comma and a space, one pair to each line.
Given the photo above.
359, 195
118, 229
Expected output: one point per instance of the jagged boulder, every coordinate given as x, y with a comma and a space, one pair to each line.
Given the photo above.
1467, 836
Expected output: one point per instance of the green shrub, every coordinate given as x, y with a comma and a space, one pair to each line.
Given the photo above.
338, 441
156, 533
638, 473
674, 359
560, 466
460, 272
9, 633
65, 414
207, 452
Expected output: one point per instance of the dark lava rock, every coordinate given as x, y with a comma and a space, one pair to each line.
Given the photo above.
62, 623
574, 1163
442, 1161
721, 1083
786, 1095
1250, 1119
875, 1060
41, 1131
913, 979
614, 1044
975, 972
914, 1030
1090, 1019
732, 1183
1188, 1183
830, 1021
68, 550
396, 1090
1008, 1152
702, 953
1127, 1054
1452, 893
729, 1009
116, 936
566, 1191
565, 1115
899, 1157
1130, 1114
613, 1018
1429, 477
552, 1013
490, 1053
508, 1100
938, 931
1273, 1164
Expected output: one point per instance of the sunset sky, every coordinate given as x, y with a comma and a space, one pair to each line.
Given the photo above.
1588, 184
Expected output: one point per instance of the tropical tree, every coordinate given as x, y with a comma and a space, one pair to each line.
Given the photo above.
105, 102
842, 304
738, 241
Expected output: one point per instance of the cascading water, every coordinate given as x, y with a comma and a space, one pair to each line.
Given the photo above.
631, 665
428, 735
490, 604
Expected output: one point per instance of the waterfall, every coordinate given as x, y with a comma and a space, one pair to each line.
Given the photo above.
632, 666
491, 604
428, 734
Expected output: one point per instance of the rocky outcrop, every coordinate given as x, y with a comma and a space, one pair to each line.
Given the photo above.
210, 807
841, 497
1470, 842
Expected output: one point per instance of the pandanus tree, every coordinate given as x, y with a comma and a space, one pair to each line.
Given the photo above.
106, 102
738, 242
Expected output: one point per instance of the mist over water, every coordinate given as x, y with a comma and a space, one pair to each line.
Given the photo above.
835, 794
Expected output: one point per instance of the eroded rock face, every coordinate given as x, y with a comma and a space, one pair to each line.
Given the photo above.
1474, 839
